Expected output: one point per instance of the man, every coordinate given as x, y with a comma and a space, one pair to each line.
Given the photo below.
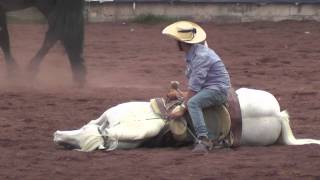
208, 79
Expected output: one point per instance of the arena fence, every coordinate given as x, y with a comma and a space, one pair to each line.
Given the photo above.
220, 11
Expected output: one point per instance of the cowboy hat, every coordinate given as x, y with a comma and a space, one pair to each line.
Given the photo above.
185, 31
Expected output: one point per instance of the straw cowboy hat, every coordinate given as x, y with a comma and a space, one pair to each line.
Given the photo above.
185, 31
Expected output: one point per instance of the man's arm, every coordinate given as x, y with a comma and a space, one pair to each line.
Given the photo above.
183, 107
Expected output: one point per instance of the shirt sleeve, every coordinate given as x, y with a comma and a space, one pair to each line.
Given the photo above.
200, 66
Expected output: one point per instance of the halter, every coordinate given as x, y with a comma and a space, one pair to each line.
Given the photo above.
107, 141
104, 137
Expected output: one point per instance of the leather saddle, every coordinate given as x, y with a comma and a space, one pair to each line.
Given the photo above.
224, 122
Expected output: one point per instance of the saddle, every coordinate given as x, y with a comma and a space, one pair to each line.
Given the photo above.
224, 122
234, 110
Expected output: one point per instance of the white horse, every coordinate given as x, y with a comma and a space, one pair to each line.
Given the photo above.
128, 125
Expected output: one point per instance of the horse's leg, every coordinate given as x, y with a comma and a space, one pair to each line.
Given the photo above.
67, 22
5, 44
74, 52
49, 40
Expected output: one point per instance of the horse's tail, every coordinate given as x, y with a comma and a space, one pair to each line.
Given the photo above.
66, 21
287, 136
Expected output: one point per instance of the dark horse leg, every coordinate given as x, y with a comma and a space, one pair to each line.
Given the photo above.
47, 44
73, 38
77, 63
66, 23
5, 44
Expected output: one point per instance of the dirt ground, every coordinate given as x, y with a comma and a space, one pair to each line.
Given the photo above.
128, 62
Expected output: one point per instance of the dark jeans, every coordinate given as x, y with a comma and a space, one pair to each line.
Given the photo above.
204, 98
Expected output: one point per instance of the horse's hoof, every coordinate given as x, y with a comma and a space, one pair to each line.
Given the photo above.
12, 71
79, 82
79, 85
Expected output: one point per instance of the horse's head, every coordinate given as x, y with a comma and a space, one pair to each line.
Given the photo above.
88, 138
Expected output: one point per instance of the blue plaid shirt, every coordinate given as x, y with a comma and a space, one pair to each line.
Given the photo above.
205, 70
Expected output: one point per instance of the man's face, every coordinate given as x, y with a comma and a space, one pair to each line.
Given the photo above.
183, 46
179, 44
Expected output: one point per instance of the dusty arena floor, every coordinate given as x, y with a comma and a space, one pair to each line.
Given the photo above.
128, 62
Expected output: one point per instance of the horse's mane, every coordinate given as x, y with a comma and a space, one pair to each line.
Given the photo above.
91, 141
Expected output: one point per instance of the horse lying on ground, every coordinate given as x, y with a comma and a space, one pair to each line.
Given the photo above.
130, 124
65, 23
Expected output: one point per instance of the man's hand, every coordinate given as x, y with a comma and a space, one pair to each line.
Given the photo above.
180, 110
173, 94
177, 113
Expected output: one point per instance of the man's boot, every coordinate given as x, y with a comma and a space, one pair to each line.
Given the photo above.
204, 145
